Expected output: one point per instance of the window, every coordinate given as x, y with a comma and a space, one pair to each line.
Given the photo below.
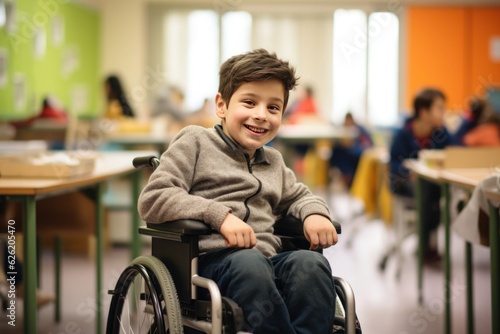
383, 32
192, 49
349, 64
236, 34
202, 56
365, 66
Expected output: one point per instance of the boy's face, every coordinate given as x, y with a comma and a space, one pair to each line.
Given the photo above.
435, 115
253, 115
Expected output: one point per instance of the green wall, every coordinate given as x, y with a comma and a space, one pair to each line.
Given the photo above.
45, 75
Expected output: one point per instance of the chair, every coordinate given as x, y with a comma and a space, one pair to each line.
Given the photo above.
162, 289
404, 219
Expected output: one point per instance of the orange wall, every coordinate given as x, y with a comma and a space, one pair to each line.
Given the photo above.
449, 48
485, 22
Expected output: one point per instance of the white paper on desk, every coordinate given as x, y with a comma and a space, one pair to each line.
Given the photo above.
466, 223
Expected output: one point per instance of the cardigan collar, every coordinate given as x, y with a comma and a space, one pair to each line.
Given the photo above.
260, 154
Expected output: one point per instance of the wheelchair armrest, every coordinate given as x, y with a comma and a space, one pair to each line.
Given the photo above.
146, 161
292, 227
184, 226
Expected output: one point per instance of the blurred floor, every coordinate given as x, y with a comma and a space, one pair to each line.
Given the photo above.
384, 304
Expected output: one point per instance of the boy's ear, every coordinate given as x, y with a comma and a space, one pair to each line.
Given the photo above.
220, 106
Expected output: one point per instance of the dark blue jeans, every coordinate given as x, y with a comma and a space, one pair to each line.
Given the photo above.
292, 292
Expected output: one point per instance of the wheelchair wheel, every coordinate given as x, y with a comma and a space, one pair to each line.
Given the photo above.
143, 295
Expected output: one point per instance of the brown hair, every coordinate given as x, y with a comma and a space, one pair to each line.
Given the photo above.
478, 108
256, 65
425, 98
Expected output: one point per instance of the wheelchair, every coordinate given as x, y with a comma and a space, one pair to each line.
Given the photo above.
158, 293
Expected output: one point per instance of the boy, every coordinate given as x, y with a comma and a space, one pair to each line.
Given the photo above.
226, 177
425, 130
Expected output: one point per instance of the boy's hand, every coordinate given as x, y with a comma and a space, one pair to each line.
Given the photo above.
320, 232
238, 234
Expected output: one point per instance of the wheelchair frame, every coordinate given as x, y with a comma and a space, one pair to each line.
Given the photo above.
175, 244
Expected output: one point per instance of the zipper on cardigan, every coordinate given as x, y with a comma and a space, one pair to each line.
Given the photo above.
249, 165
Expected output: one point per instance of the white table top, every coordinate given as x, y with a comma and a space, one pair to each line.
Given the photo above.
316, 132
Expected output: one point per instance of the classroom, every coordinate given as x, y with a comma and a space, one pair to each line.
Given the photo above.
250, 166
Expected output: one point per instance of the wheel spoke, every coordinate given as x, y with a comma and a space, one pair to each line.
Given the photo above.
138, 301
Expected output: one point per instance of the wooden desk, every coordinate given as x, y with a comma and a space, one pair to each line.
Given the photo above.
466, 178
469, 178
108, 165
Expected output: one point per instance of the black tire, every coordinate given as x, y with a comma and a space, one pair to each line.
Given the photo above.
144, 293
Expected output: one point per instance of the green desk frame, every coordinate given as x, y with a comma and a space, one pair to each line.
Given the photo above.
30, 249
494, 260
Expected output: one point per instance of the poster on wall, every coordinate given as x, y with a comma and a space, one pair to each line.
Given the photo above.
3, 67
40, 43
57, 30
70, 61
20, 94
79, 99
2, 14
495, 48
10, 16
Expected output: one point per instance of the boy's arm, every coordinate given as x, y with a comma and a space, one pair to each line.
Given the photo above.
166, 196
297, 200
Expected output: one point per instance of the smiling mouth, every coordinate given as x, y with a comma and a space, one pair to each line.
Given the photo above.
255, 129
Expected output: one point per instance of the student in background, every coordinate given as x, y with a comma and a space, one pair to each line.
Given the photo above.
425, 130
117, 104
302, 112
304, 109
346, 154
51, 111
169, 108
170, 101
471, 118
486, 133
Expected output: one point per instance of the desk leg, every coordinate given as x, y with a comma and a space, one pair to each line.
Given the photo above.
99, 252
470, 286
420, 226
30, 260
495, 266
136, 240
445, 192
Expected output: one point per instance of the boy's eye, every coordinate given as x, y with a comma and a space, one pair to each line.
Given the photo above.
249, 102
274, 109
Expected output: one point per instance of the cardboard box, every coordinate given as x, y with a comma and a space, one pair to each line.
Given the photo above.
46, 165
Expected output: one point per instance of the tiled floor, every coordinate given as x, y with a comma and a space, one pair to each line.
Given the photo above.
384, 304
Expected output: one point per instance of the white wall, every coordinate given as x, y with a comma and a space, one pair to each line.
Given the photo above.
123, 45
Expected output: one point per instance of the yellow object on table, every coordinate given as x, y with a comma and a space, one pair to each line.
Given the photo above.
370, 183
130, 125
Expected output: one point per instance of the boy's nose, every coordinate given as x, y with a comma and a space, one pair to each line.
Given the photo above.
260, 112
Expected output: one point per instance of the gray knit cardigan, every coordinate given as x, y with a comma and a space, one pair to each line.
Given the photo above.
203, 175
